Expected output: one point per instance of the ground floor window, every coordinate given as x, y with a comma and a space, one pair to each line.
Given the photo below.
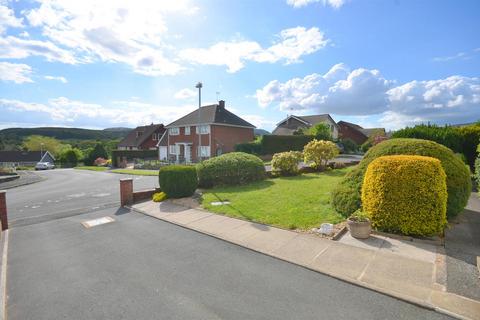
204, 151
172, 149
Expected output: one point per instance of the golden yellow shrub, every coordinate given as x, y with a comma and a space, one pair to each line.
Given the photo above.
406, 194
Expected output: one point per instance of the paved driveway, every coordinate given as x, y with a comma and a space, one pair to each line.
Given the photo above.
142, 268
67, 192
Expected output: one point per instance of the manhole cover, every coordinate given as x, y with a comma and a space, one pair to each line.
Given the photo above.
97, 222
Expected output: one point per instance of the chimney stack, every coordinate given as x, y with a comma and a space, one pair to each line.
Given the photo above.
221, 104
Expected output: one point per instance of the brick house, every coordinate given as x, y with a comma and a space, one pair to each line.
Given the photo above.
143, 138
356, 133
220, 130
292, 123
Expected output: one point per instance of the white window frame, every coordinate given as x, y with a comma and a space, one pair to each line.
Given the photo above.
204, 129
172, 149
174, 131
187, 131
204, 150
154, 137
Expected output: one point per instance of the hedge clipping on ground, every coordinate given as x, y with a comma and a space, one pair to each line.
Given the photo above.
233, 168
178, 181
346, 195
406, 194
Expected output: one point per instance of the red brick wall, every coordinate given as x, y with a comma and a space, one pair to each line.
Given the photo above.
347, 132
150, 143
189, 138
226, 137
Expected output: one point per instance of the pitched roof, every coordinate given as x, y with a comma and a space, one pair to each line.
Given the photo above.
212, 114
353, 125
23, 156
132, 140
311, 120
282, 131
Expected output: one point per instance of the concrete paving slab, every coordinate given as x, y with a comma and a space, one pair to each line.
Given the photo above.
302, 249
343, 260
410, 249
470, 309
269, 240
188, 216
407, 276
212, 224
373, 242
241, 232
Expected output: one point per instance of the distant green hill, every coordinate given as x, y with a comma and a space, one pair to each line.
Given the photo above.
64, 133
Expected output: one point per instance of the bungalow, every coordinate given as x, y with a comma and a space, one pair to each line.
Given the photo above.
357, 133
24, 158
292, 123
206, 132
142, 138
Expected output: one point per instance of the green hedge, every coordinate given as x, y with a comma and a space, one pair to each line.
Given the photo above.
133, 154
230, 169
178, 181
346, 195
272, 144
462, 140
406, 194
253, 147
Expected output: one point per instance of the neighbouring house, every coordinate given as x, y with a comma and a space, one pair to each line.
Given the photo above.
206, 132
292, 123
356, 133
142, 138
24, 158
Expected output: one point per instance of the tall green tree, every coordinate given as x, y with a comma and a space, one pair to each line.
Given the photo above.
97, 152
70, 156
38, 143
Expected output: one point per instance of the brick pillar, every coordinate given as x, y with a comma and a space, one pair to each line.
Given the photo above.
126, 191
3, 209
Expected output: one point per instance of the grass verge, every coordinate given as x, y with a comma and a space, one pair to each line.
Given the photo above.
300, 202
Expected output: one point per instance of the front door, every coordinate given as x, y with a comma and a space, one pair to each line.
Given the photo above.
188, 152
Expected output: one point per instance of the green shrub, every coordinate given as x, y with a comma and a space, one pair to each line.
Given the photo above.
286, 163
272, 144
254, 147
477, 169
319, 152
349, 145
346, 195
230, 169
178, 181
406, 194
159, 197
470, 139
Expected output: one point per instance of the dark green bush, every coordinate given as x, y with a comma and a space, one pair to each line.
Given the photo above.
477, 169
178, 181
253, 147
349, 145
230, 169
272, 144
346, 195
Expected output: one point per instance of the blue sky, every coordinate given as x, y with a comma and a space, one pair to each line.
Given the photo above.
98, 64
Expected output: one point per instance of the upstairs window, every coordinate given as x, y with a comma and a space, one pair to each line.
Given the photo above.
139, 133
205, 129
187, 130
174, 131
154, 136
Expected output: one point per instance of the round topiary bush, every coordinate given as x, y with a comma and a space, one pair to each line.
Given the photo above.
178, 181
406, 194
346, 195
230, 169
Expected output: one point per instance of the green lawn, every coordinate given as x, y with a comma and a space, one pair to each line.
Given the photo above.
300, 202
137, 172
92, 168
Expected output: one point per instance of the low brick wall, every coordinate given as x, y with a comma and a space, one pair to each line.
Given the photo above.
144, 194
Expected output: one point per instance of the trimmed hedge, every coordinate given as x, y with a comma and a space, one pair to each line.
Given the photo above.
133, 154
346, 195
230, 169
178, 181
253, 147
406, 194
286, 163
272, 144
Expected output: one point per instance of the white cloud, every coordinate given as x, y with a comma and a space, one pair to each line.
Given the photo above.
291, 45
458, 56
16, 72
66, 112
61, 79
363, 92
301, 3
258, 121
113, 31
185, 94
8, 19
338, 91
16, 48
